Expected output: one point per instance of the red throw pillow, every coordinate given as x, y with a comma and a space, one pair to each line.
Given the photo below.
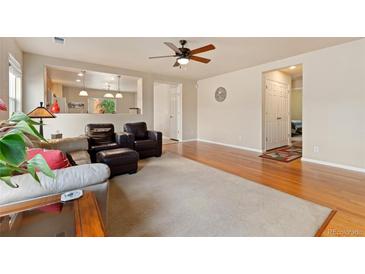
55, 159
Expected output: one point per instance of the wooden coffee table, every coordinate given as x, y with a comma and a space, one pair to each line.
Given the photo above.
47, 216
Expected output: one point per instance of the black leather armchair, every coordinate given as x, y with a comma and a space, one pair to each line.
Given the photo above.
147, 143
103, 137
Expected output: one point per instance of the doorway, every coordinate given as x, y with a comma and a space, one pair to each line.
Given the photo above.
168, 110
282, 126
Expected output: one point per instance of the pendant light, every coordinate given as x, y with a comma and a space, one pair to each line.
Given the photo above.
108, 94
119, 94
83, 92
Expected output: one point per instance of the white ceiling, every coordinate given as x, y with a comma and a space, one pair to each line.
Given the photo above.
93, 79
132, 53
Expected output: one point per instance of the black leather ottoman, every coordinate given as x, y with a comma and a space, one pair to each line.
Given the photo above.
119, 160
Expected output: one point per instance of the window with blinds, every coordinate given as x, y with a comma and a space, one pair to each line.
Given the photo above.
15, 86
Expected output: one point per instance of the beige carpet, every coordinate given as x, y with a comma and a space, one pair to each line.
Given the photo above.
175, 196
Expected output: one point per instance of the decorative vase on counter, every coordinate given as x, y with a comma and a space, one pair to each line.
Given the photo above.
55, 107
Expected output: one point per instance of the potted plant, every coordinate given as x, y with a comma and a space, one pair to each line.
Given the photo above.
108, 106
15, 135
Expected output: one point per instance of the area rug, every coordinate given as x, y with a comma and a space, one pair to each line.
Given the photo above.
284, 154
175, 196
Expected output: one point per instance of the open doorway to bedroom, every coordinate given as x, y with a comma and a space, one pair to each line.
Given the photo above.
167, 101
296, 107
282, 125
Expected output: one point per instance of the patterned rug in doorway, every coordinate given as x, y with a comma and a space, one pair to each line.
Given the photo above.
283, 154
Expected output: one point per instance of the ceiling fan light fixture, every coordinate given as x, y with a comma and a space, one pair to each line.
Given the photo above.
183, 60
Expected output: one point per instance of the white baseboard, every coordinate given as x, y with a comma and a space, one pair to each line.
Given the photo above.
234, 146
352, 168
188, 140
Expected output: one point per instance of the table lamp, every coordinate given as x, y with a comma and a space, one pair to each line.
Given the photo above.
41, 112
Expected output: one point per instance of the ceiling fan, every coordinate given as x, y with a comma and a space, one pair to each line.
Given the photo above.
184, 55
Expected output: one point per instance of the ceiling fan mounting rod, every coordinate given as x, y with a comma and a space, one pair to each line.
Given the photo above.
183, 42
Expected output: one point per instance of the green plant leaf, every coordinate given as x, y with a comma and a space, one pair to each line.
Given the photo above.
7, 180
20, 116
37, 132
13, 141
39, 163
12, 149
29, 129
32, 171
16, 168
5, 170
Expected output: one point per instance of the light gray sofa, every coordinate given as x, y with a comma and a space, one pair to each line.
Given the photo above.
86, 176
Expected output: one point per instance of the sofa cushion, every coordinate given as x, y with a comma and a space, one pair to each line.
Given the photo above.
138, 129
67, 145
145, 144
80, 157
70, 159
66, 179
55, 159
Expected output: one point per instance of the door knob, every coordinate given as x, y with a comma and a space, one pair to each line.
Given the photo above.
278, 118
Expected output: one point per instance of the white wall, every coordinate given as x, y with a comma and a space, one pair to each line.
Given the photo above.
7, 46
333, 105
237, 120
73, 124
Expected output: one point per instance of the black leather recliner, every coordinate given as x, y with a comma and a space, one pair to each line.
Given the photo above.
103, 137
147, 143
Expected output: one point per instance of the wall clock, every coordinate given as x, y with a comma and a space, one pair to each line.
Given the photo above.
220, 94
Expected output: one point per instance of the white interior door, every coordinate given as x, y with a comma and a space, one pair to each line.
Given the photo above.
277, 127
174, 115
167, 104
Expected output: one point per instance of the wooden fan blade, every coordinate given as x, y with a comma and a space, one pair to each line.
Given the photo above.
173, 47
176, 64
202, 49
200, 59
155, 57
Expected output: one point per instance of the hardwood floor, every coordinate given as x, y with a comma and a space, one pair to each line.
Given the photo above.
339, 189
